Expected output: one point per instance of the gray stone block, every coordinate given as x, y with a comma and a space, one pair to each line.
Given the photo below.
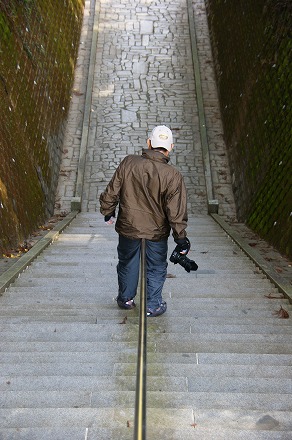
45, 433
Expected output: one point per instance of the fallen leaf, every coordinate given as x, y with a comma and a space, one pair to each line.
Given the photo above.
24, 248
124, 320
45, 228
53, 220
128, 424
271, 296
11, 255
279, 270
77, 93
170, 275
282, 313
194, 425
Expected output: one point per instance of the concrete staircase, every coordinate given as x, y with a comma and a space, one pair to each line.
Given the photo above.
219, 360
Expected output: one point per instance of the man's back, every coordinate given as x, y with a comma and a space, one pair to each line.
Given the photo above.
151, 196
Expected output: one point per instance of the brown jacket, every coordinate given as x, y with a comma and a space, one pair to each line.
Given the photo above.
151, 195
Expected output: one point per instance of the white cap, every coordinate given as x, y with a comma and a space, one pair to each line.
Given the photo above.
161, 137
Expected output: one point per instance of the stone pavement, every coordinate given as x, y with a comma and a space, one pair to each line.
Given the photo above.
219, 360
143, 77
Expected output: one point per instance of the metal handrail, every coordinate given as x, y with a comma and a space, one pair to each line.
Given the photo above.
140, 404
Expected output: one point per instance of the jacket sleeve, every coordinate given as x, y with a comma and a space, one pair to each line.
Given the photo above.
176, 207
109, 199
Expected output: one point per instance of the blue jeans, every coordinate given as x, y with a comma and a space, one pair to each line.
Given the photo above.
129, 264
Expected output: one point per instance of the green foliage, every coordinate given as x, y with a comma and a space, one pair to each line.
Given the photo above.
253, 54
40, 42
5, 33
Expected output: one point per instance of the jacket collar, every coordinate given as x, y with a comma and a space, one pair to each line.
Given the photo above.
154, 155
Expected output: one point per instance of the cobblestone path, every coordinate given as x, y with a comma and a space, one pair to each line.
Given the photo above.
143, 77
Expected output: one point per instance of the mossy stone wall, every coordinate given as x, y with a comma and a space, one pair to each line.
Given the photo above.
252, 49
39, 41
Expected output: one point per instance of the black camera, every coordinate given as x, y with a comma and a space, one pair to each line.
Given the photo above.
183, 261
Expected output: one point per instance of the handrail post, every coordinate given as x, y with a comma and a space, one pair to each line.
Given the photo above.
140, 404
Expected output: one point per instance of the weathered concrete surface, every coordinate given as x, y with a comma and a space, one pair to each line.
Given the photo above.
218, 360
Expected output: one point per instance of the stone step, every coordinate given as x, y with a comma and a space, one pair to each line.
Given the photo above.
95, 245
114, 368
172, 283
63, 270
255, 429
183, 345
37, 293
153, 433
235, 358
244, 379
127, 347
203, 224
231, 361
183, 326
47, 433
208, 434
214, 372
191, 383
65, 417
67, 272
162, 391
128, 333
96, 301
209, 234
199, 401
100, 383
181, 419
220, 291
74, 236
91, 312
69, 256
51, 318
213, 401
71, 259
66, 252
107, 293
229, 283
69, 269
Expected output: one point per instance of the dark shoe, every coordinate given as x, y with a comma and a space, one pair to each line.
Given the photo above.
158, 311
128, 304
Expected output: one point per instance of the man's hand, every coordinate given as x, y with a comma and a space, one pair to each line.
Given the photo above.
183, 245
179, 255
110, 218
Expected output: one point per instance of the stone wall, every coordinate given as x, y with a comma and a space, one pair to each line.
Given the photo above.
39, 40
251, 43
